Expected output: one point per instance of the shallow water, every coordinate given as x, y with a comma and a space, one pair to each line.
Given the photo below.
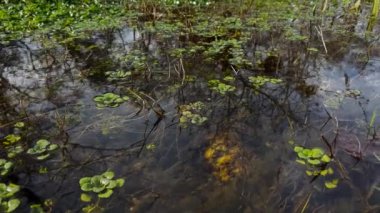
163, 162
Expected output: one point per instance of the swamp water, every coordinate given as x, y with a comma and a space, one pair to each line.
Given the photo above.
298, 135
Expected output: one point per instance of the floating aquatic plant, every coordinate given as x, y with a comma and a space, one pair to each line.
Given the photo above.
109, 100
191, 114
220, 87
7, 201
118, 75
331, 184
42, 148
260, 81
19, 125
103, 185
136, 60
11, 139
5, 167
316, 161
13, 151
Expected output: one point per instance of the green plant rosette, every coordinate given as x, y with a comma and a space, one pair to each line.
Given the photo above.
102, 184
7, 191
5, 166
109, 100
9, 205
41, 149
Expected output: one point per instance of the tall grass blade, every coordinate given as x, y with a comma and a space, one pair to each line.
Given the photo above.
373, 118
374, 15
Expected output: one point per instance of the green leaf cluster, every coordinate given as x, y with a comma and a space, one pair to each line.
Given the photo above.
260, 81
19, 125
11, 139
103, 185
109, 100
220, 87
13, 151
190, 113
32, 17
228, 49
42, 148
13, 148
136, 60
316, 161
8, 203
118, 75
5, 167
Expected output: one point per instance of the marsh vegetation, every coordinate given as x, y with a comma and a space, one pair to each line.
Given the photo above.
189, 106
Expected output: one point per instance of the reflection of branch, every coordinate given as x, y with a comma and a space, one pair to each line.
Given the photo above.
328, 145
272, 99
146, 136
